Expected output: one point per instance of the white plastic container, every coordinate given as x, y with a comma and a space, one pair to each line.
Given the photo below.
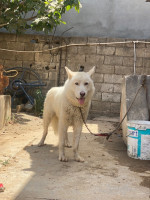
138, 139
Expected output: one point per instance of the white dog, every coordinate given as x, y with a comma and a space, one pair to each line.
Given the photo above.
61, 108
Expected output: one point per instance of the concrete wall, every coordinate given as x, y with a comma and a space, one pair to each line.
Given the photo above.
108, 18
112, 63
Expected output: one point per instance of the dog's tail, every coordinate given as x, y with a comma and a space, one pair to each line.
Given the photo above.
54, 124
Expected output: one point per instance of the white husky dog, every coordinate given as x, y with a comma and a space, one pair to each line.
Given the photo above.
61, 109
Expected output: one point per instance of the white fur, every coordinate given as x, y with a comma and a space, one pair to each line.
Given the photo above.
61, 108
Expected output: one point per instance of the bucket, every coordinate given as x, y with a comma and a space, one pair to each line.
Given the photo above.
138, 139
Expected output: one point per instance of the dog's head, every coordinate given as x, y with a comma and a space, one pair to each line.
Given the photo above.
79, 86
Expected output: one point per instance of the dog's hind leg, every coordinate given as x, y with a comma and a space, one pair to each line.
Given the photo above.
46, 121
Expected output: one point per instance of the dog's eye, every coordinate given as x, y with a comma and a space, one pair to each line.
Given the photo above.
76, 83
86, 83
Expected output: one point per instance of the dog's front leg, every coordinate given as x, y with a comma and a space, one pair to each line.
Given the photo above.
76, 138
62, 136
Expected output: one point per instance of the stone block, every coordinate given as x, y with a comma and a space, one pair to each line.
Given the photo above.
115, 108
6, 55
111, 97
29, 47
97, 87
106, 87
146, 62
112, 78
25, 56
105, 69
47, 57
38, 57
123, 70
87, 50
97, 96
38, 47
5, 109
3, 44
98, 78
71, 49
7, 37
117, 88
94, 59
76, 58
113, 60
19, 46
12, 63
128, 61
25, 38
101, 106
143, 52
104, 50
124, 52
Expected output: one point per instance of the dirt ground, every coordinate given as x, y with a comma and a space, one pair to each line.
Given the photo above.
29, 172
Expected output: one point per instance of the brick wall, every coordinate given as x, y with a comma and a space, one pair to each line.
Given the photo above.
112, 62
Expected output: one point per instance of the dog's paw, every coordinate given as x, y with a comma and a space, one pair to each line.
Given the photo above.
79, 159
41, 144
63, 158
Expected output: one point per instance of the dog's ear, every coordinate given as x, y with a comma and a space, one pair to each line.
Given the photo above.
69, 73
92, 71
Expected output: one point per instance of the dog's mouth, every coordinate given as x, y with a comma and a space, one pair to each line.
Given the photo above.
81, 101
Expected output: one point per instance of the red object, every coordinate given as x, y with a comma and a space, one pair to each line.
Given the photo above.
1, 187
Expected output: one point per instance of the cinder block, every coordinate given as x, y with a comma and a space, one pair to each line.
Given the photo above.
124, 52
16, 46
6, 55
97, 96
87, 50
117, 88
5, 109
113, 60
98, 78
112, 78
115, 108
12, 63
94, 59
47, 57
128, 61
105, 50
100, 106
111, 97
105, 69
98, 87
71, 50
143, 52
25, 56
38, 57
7, 37
106, 87
123, 70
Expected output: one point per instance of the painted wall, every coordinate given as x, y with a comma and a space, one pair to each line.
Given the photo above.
109, 18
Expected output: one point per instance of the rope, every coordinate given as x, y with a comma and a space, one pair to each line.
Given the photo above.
112, 132
11, 71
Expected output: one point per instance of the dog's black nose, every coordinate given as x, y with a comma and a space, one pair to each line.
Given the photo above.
82, 94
